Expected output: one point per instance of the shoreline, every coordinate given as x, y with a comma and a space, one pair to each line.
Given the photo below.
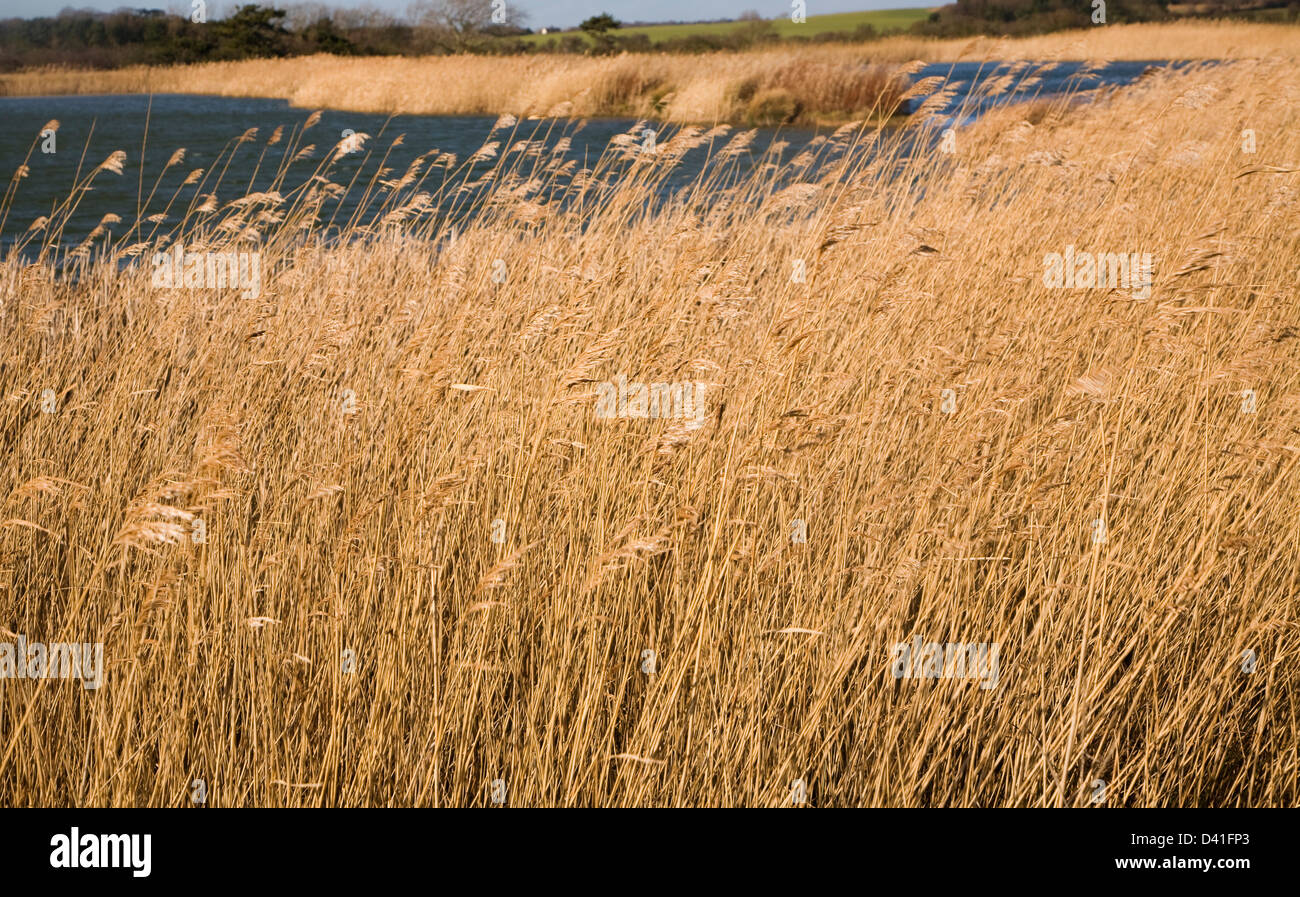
894, 121
791, 86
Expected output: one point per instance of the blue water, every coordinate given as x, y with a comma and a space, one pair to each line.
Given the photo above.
92, 127
1030, 81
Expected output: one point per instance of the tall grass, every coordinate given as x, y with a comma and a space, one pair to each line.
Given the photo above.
351, 633
677, 88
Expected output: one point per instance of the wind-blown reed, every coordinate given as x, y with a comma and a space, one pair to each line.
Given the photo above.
360, 530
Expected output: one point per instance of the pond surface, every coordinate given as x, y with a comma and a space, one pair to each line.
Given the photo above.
93, 126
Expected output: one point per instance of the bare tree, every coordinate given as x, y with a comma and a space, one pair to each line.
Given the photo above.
298, 16
457, 24
364, 16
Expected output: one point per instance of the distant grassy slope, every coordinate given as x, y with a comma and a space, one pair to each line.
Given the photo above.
880, 19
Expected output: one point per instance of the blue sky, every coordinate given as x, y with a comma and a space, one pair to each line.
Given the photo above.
540, 12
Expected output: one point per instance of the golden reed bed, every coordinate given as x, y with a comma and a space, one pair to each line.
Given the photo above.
431, 573
827, 83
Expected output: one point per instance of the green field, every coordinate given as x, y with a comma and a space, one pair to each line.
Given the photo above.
880, 19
